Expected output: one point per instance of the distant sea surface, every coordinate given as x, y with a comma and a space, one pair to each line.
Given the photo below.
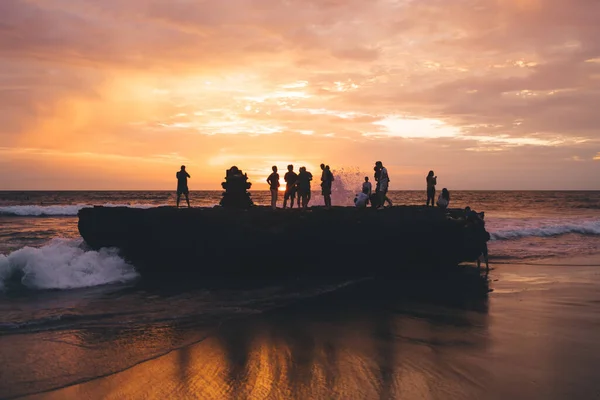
57, 297
568, 222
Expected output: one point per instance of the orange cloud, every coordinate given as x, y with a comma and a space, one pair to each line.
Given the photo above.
421, 84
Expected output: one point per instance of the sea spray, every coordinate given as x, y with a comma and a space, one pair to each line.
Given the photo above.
346, 185
64, 264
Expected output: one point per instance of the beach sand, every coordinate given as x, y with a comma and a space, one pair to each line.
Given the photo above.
535, 337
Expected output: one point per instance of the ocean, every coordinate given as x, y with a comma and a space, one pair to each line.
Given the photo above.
70, 315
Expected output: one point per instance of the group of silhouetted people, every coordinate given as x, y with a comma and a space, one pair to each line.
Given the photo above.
298, 186
378, 198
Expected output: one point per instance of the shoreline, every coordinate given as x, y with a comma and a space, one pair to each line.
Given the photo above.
532, 338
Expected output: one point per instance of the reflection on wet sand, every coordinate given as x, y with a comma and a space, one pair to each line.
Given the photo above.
78, 354
348, 348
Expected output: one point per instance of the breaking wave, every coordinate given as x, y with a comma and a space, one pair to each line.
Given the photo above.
64, 264
59, 210
583, 228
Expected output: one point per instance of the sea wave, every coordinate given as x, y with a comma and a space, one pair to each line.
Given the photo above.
64, 264
583, 228
59, 210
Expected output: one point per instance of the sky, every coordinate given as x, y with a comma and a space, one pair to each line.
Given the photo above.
113, 94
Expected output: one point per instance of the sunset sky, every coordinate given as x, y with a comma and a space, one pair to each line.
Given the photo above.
117, 94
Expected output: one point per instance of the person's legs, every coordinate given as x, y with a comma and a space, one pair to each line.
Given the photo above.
285, 199
382, 198
273, 198
187, 199
382, 193
293, 196
178, 198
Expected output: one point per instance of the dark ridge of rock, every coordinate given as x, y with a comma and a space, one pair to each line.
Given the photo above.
260, 242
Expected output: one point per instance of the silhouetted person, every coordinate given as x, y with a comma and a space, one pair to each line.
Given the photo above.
326, 182
443, 201
367, 186
383, 181
182, 187
291, 179
431, 182
273, 181
304, 178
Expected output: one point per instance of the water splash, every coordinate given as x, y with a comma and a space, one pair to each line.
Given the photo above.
64, 264
347, 184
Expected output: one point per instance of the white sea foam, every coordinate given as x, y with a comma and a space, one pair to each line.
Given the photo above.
583, 227
65, 264
58, 210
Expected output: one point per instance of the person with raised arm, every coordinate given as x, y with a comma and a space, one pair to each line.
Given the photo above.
431, 182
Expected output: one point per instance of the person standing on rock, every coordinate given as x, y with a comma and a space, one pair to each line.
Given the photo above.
431, 182
291, 179
273, 181
383, 181
367, 188
326, 182
304, 178
182, 187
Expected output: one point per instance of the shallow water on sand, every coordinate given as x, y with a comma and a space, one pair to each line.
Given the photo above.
534, 338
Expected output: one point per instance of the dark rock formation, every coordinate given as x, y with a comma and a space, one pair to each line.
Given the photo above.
263, 242
236, 187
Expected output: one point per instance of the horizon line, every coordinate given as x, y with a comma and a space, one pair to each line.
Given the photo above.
266, 190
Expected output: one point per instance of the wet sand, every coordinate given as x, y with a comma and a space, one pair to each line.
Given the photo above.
535, 337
